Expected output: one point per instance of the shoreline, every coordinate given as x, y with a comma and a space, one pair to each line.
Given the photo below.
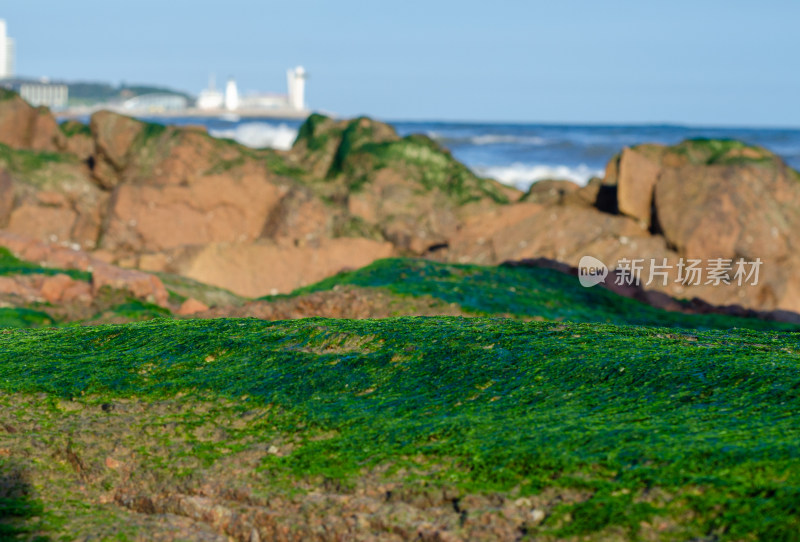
294, 114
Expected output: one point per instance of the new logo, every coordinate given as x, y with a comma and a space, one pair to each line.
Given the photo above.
591, 271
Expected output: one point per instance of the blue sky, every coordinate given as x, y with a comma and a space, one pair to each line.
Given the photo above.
704, 62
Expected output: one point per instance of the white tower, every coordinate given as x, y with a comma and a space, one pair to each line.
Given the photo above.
296, 83
210, 98
6, 52
231, 95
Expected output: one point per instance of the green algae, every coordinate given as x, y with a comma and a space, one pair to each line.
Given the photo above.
11, 265
72, 128
498, 405
21, 317
26, 162
363, 147
521, 292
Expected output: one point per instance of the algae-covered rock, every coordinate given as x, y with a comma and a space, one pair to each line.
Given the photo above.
716, 201
410, 189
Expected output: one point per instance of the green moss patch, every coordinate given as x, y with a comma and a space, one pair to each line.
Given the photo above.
21, 317
485, 405
721, 151
25, 162
523, 293
73, 128
11, 265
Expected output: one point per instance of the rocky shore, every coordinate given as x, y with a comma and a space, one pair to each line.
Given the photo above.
262, 222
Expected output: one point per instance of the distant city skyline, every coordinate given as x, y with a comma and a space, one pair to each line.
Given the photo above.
696, 63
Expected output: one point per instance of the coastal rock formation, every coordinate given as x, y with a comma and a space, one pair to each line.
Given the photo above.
168, 199
723, 203
138, 284
23, 126
172, 199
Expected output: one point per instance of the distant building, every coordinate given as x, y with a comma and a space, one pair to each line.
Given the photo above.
231, 96
155, 103
52, 95
39, 91
210, 98
263, 101
296, 85
292, 103
6, 53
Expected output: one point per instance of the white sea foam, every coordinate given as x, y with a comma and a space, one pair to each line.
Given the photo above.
523, 175
259, 135
487, 139
491, 139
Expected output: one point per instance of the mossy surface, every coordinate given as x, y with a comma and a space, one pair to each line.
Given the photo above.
21, 317
11, 265
25, 163
182, 288
361, 147
704, 151
312, 132
522, 293
420, 158
73, 128
496, 405
7, 94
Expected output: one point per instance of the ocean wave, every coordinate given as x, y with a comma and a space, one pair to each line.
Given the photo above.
487, 139
259, 135
523, 176
491, 139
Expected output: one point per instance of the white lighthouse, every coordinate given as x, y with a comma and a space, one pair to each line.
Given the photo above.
6, 53
231, 95
296, 83
210, 98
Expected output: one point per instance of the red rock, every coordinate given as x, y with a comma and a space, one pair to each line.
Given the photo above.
20, 287
260, 269
638, 173
53, 287
23, 126
6, 197
210, 210
191, 306
550, 192
53, 224
114, 135
138, 283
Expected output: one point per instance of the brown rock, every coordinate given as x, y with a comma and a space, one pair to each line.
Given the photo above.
45, 134
585, 196
212, 209
52, 224
53, 288
6, 197
191, 306
114, 135
23, 126
550, 192
299, 217
726, 211
78, 142
260, 269
19, 287
637, 178
137, 283
141, 285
